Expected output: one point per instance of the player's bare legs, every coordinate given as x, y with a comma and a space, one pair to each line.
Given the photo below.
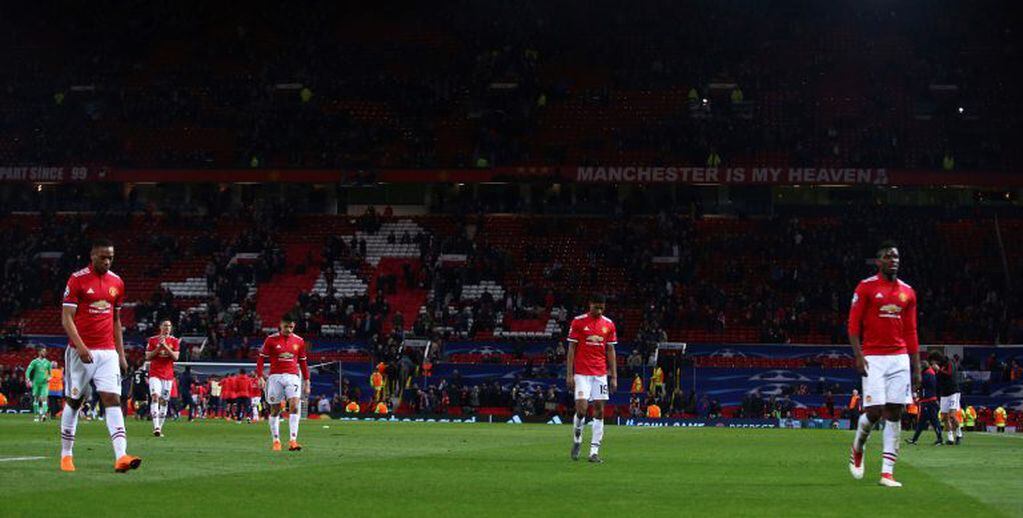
578, 422
598, 431
294, 418
952, 427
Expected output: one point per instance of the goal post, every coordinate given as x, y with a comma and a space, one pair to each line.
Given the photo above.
672, 354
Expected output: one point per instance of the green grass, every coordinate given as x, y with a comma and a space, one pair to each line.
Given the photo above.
390, 469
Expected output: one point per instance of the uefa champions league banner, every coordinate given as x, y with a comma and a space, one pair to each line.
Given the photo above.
774, 352
62, 341
1002, 354
730, 386
531, 347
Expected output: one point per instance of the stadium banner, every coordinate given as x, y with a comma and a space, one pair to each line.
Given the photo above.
763, 175
698, 423
814, 423
450, 418
607, 174
53, 174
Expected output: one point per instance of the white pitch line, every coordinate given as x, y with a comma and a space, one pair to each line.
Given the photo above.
15, 459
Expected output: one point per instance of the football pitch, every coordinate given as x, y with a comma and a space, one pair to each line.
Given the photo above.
393, 469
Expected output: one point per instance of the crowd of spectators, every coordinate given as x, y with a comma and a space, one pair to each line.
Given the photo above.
12, 384
477, 85
790, 279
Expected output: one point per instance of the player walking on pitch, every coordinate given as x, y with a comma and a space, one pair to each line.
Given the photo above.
591, 354
162, 351
287, 355
37, 376
91, 317
882, 330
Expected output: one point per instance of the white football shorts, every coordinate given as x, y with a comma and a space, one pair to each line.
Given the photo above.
591, 388
278, 386
104, 371
887, 381
162, 388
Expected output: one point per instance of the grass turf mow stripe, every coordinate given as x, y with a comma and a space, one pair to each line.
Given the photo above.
394, 469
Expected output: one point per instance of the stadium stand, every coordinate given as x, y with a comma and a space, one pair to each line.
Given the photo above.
507, 92
492, 280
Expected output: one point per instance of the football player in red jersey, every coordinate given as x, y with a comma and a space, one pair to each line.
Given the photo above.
91, 316
882, 330
162, 351
591, 354
255, 395
287, 355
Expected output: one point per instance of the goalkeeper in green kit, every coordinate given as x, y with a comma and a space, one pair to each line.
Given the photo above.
38, 376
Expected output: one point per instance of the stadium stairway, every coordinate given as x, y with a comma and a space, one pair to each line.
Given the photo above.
277, 296
408, 299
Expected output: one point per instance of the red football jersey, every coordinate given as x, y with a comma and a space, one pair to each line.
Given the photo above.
95, 297
286, 354
883, 314
162, 365
254, 387
591, 337
227, 387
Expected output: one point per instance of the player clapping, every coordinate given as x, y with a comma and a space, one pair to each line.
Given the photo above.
162, 351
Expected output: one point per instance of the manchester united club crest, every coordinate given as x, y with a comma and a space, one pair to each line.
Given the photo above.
903, 297
603, 330
112, 291
295, 347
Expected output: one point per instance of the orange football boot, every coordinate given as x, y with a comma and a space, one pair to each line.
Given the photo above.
127, 463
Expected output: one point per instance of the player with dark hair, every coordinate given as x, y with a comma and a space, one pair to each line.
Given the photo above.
242, 392
287, 354
882, 331
928, 401
948, 389
92, 319
162, 351
591, 354
37, 376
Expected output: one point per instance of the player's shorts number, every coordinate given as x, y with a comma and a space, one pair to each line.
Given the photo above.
281, 386
591, 388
